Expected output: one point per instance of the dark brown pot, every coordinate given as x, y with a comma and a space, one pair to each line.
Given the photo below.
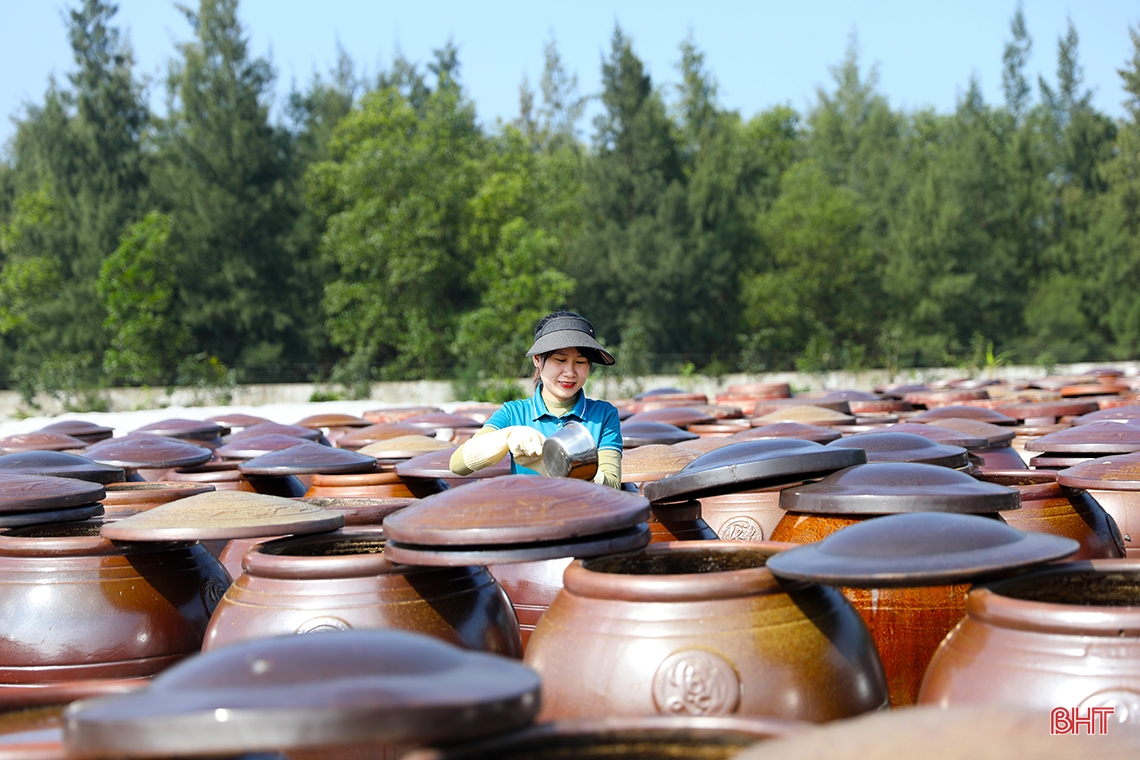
84, 615
1049, 508
342, 580
701, 629
378, 485
1066, 636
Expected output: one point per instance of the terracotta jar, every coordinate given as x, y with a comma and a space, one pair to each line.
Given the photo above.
342, 580
126, 499
83, 615
1064, 636
701, 629
1114, 482
225, 476
746, 515
379, 485
1047, 507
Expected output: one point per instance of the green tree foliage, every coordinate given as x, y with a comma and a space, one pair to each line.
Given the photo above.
138, 288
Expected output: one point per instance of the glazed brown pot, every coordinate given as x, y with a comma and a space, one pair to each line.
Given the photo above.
701, 629
745, 515
1065, 636
126, 499
379, 485
1047, 507
82, 615
342, 580
225, 476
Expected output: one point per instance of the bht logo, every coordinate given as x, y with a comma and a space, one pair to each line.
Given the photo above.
1068, 720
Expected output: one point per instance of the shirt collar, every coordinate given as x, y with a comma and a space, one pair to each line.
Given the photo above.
538, 405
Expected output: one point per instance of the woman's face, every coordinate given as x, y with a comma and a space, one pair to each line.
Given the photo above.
564, 372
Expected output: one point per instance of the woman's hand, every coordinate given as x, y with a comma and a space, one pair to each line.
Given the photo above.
524, 443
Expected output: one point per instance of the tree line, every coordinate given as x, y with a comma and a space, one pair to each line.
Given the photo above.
377, 231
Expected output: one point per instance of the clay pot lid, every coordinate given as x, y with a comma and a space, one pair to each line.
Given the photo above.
249, 448
848, 396
404, 447
33, 493
879, 406
1044, 409
180, 428
719, 411
273, 428
958, 411
993, 435
516, 509
702, 445
887, 446
87, 431
936, 433
673, 394
767, 406
885, 488
1093, 389
222, 515
720, 427
654, 462
39, 441
1112, 414
294, 692
398, 413
1036, 431
812, 415
379, 431
899, 390
945, 397
148, 451
359, 510
436, 420
1057, 382
920, 549
1094, 438
236, 420
798, 430
749, 465
306, 458
478, 412
634, 434
60, 464
50, 517
1111, 473
331, 420
1058, 461
678, 416
436, 464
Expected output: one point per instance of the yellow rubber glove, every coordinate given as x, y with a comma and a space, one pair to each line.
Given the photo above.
489, 446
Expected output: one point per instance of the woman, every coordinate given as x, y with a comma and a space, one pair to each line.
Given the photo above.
563, 352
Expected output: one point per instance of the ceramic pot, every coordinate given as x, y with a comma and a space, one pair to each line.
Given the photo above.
1064, 636
342, 580
701, 629
82, 615
225, 476
745, 515
378, 485
126, 499
1047, 507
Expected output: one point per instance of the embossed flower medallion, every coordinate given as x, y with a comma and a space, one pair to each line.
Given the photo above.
696, 682
741, 528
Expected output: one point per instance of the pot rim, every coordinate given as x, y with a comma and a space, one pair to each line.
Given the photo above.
262, 560
682, 587
987, 604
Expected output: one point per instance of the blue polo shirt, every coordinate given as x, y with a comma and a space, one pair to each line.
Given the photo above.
599, 417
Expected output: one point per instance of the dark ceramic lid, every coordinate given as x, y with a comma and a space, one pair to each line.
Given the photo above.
404, 447
958, 411
789, 430
380, 431
1094, 438
1043, 409
296, 692
848, 396
179, 428
879, 406
750, 465
767, 406
435, 464
1112, 473
946, 397
359, 511
1112, 414
517, 508
50, 517
657, 393
236, 420
397, 413
654, 462
899, 390
88, 431
703, 445
1059, 461
887, 446
33, 493
992, 435
719, 411
328, 420
435, 420
922, 549
720, 427
679, 416
812, 415
272, 428
760, 390
945, 436
308, 458
40, 441
60, 464
248, 448
634, 434
885, 488
147, 451
223, 514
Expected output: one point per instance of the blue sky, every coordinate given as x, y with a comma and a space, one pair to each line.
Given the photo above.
762, 53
